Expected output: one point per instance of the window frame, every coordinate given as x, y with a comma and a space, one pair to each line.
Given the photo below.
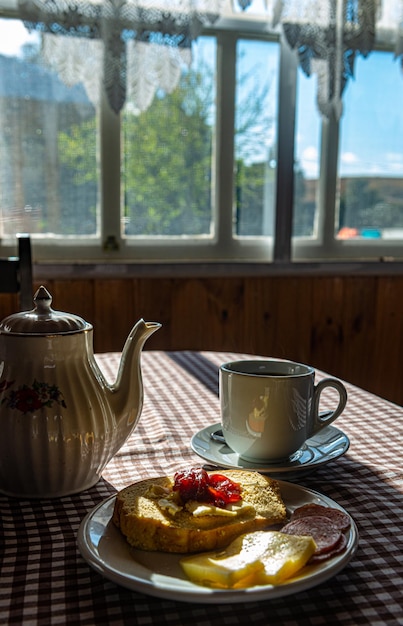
223, 247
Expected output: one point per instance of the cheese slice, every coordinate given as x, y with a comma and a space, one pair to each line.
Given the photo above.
262, 557
283, 558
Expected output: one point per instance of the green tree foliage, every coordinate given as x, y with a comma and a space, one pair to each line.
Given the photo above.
304, 209
167, 156
253, 176
357, 203
167, 163
249, 196
77, 149
364, 205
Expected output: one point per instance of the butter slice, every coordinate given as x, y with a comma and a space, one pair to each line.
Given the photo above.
261, 557
231, 510
169, 506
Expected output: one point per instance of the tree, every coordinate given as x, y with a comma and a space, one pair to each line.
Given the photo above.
254, 178
357, 203
167, 157
167, 163
304, 208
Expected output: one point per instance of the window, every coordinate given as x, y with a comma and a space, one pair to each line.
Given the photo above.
236, 164
371, 143
167, 157
348, 179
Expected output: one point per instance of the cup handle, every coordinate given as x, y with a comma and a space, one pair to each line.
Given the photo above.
327, 417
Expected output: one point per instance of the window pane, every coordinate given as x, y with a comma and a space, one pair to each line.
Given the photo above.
255, 137
48, 172
371, 153
307, 157
167, 160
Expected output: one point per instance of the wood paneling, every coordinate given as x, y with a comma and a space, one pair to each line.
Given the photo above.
349, 326
386, 367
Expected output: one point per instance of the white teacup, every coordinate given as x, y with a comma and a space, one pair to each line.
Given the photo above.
270, 407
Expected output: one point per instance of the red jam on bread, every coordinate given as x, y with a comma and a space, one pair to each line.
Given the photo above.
198, 485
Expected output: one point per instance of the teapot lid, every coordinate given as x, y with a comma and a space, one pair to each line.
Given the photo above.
43, 320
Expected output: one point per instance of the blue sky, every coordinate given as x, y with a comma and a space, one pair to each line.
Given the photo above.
372, 123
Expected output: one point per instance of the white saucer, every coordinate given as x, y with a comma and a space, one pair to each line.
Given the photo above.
159, 574
329, 444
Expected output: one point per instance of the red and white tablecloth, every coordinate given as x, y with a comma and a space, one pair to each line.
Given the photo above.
44, 579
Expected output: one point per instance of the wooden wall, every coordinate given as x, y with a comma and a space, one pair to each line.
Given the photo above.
348, 326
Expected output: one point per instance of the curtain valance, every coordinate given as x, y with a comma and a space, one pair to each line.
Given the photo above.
141, 45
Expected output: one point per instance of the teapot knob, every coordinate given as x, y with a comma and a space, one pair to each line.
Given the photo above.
42, 300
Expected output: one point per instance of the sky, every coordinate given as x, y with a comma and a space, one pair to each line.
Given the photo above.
372, 122
13, 35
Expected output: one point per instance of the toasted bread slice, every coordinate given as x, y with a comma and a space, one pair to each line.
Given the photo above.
144, 514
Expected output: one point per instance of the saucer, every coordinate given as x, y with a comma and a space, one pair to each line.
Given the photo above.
328, 444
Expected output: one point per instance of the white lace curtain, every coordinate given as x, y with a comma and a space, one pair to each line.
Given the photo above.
141, 45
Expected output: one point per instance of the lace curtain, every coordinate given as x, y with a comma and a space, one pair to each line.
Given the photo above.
137, 45
328, 35
141, 45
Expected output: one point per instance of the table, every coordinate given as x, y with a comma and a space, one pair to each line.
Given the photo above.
45, 580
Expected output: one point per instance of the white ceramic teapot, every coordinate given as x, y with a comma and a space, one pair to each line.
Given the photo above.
60, 420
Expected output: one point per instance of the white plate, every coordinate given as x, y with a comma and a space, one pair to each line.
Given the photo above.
158, 574
327, 445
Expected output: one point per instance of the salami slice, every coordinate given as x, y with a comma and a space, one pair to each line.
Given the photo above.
338, 548
324, 533
338, 518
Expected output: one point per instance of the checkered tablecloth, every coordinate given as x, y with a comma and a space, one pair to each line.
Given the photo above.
45, 580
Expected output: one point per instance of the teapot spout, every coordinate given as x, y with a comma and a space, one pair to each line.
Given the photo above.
125, 396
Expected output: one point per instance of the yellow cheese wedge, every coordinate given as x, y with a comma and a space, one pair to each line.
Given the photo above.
262, 557
284, 557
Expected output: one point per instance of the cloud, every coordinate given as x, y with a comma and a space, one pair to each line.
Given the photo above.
393, 162
310, 154
309, 162
387, 164
394, 159
13, 35
349, 158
